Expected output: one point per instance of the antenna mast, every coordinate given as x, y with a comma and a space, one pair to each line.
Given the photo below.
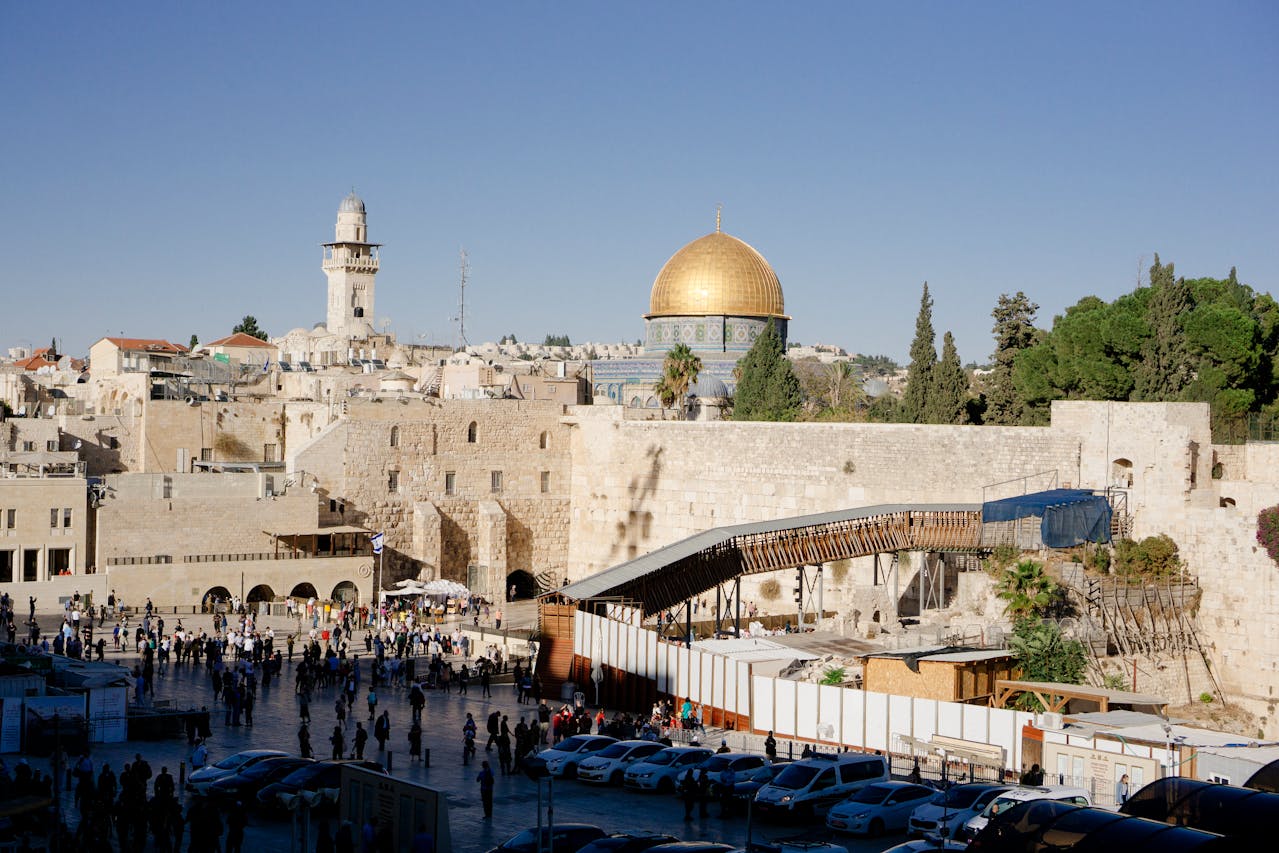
464, 268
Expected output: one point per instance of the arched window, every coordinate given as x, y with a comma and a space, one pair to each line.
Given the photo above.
544, 441
1121, 473
1226, 503
395, 436
470, 433
359, 312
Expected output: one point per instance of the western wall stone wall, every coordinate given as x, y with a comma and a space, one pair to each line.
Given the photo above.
641, 485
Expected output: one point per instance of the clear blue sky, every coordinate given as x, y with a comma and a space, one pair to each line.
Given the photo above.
169, 168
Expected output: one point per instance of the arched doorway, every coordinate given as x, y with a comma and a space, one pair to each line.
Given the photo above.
257, 595
523, 583
218, 596
346, 593
304, 590
1121, 473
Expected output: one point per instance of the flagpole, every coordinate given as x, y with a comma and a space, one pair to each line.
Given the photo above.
377, 593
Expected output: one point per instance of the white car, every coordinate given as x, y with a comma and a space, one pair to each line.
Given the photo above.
747, 767
200, 780
564, 758
942, 817
923, 845
1022, 794
662, 770
878, 808
608, 765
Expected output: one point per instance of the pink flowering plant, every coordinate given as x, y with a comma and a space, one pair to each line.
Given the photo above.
1268, 531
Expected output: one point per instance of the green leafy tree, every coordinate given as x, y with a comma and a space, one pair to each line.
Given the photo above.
556, 341
680, 369
249, 326
195, 342
1027, 590
948, 401
923, 360
1014, 332
1045, 655
767, 388
1165, 368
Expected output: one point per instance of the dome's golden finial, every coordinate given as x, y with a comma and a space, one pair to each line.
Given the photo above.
719, 209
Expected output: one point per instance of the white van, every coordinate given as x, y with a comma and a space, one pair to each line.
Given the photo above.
1023, 794
808, 788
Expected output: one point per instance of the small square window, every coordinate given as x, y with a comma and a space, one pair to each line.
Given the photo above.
10, 518
546, 481
51, 445
53, 517
450, 483
66, 517
495, 481
393, 481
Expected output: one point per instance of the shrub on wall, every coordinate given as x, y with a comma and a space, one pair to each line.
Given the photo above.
770, 590
1268, 531
1154, 556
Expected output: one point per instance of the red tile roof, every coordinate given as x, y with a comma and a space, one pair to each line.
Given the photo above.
239, 339
151, 344
35, 362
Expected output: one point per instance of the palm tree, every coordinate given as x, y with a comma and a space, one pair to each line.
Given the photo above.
679, 372
1027, 590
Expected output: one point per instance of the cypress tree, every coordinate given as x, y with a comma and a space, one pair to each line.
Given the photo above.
1014, 331
923, 360
948, 402
767, 388
1165, 367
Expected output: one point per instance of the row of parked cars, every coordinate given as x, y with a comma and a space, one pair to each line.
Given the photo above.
852, 792
266, 778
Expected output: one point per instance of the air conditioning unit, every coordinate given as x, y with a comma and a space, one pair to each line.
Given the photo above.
1050, 720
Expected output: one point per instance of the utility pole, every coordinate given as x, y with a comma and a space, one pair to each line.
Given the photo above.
464, 268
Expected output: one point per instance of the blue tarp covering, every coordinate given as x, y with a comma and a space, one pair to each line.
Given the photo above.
1070, 516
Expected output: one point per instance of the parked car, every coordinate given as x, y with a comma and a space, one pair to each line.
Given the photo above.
1022, 794
564, 758
808, 788
609, 764
567, 838
748, 788
199, 781
746, 766
924, 845
691, 847
878, 808
245, 784
793, 845
320, 776
954, 808
662, 770
627, 842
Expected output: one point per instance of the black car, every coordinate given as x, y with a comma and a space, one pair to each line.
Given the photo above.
626, 842
568, 838
245, 784
691, 847
312, 777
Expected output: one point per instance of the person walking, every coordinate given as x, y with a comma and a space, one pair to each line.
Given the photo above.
361, 738
688, 793
703, 793
493, 720
372, 704
339, 743
339, 708
382, 730
304, 742
415, 742
770, 746
485, 779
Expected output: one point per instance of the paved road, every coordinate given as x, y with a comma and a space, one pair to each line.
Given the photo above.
276, 723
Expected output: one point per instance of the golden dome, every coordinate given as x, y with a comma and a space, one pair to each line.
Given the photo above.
717, 275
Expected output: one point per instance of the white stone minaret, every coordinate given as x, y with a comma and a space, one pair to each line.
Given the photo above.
351, 263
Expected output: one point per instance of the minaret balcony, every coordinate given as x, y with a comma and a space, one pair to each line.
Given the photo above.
359, 264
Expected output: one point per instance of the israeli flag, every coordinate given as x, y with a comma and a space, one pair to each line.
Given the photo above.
376, 539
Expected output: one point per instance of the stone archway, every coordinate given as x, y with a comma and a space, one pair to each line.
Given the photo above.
304, 590
346, 592
524, 584
259, 594
1121, 473
218, 595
